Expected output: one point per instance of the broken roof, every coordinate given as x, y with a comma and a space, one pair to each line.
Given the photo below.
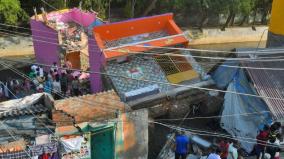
27, 116
119, 39
90, 107
33, 104
69, 15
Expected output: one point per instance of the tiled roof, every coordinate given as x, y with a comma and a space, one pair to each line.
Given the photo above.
137, 67
89, 107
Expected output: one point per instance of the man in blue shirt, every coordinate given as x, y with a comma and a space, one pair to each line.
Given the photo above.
181, 146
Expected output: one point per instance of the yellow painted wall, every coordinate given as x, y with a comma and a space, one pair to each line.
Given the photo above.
277, 17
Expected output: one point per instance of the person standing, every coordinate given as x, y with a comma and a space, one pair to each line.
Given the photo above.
215, 154
64, 83
224, 146
41, 72
54, 67
27, 86
181, 145
75, 86
48, 85
261, 140
233, 151
275, 129
273, 148
56, 87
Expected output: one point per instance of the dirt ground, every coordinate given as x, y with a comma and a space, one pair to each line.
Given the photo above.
11, 46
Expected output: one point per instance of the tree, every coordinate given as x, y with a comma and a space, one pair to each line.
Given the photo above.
150, 7
100, 6
11, 12
246, 7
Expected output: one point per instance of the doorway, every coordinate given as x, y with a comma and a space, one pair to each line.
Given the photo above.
74, 58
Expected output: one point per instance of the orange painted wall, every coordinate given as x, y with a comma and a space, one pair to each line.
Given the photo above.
172, 28
138, 26
133, 27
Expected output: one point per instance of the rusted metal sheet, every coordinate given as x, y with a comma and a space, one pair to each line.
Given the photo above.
269, 83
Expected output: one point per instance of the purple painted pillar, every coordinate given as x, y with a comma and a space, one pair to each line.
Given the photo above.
46, 45
96, 59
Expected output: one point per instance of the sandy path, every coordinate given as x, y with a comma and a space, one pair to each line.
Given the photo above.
11, 46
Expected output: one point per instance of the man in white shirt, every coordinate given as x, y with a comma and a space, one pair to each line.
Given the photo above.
54, 67
215, 155
41, 73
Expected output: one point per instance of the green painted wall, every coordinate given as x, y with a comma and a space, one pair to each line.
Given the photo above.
102, 144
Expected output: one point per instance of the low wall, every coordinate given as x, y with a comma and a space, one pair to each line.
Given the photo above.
230, 35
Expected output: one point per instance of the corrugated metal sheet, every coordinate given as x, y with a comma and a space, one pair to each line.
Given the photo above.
33, 104
34, 109
269, 83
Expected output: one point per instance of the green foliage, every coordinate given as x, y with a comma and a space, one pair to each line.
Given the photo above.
127, 10
59, 4
11, 12
99, 6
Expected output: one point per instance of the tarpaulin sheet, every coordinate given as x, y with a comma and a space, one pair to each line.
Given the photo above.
243, 127
224, 74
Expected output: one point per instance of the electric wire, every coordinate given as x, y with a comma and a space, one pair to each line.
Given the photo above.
152, 81
206, 133
214, 134
59, 93
275, 58
3, 64
213, 63
212, 117
199, 131
260, 51
47, 3
266, 59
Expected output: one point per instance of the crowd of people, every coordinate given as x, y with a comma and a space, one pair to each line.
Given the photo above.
267, 145
58, 82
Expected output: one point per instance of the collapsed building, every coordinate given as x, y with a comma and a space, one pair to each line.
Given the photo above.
63, 34
131, 56
141, 77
